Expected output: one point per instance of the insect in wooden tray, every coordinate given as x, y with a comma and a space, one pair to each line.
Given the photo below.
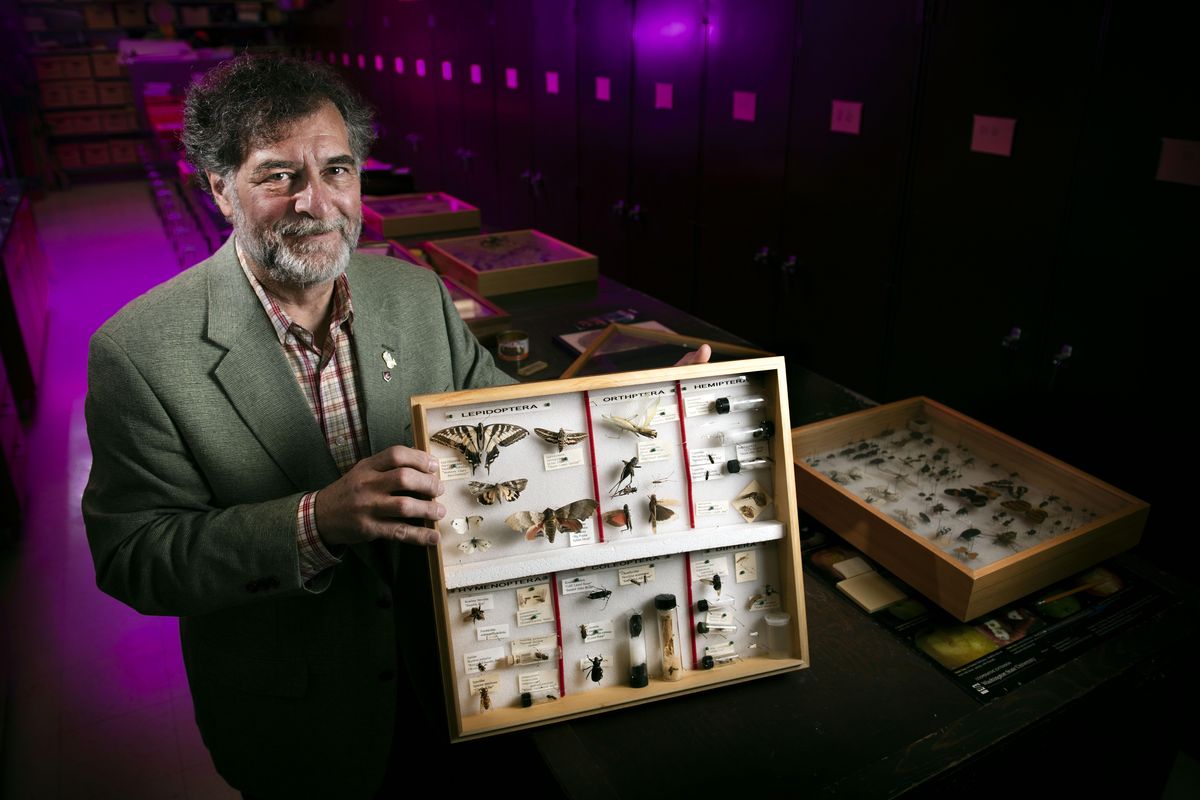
485, 699
583, 631
560, 438
465, 525
632, 425
714, 582
474, 544
965, 553
601, 594
1006, 539
550, 521
595, 671
658, 512
480, 444
475, 615
626, 475
620, 518
491, 493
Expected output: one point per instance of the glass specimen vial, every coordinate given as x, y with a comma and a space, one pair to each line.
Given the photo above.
639, 675
733, 466
779, 634
668, 636
725, 405
760, 432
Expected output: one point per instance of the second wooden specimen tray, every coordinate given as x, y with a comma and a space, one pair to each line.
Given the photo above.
970, 518
413, 217
577, 509
513, 261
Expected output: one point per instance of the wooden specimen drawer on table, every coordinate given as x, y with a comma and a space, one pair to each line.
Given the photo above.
513, 261
414, 217
970, 518
578, 510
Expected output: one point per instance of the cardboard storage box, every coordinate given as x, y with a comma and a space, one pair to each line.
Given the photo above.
82, 93
69, 155
113, 93
513, 261
413, 217
970, 518
104, 65
56, 94
122, 151
549, 572
119, 120
95, 154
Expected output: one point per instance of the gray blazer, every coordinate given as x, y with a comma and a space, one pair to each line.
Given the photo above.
202, 446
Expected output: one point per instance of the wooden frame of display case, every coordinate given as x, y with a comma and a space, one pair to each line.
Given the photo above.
947, 581
703, 534
459, 218
571, 265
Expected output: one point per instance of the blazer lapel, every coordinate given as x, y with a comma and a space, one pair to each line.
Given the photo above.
385, 366
257, 379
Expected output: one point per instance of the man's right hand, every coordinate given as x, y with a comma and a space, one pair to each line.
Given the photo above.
380, 498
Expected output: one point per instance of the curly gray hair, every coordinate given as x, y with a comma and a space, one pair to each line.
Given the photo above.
250, 100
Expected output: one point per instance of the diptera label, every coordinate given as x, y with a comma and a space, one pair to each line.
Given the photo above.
745, 566
708, 567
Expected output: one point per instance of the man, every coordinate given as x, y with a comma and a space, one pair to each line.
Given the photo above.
249, 422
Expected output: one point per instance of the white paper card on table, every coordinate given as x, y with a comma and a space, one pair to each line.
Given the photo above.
851, 567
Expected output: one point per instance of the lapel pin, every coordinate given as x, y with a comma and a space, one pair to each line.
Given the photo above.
389, 360
387, 376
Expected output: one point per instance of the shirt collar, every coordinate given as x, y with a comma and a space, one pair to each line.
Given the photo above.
343, 308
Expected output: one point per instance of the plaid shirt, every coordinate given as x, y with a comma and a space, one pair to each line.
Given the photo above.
329, 384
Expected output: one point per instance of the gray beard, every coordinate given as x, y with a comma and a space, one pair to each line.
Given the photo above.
297, 264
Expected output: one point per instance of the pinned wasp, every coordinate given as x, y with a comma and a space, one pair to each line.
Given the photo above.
485, 699
474, 615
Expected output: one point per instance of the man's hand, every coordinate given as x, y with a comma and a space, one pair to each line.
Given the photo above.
362, 504
697, 356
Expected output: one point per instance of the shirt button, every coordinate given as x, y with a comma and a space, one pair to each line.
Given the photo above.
387, 675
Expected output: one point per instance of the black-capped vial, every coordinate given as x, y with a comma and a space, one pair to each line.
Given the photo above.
726, 405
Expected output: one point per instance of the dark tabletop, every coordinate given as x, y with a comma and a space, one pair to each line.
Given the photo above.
870, 717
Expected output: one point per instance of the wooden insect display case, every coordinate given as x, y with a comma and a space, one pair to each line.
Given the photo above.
612, 540
414, 217
970, 518
513, 261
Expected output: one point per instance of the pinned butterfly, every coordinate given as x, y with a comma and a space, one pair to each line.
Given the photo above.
480, 444
550, 521
491, 493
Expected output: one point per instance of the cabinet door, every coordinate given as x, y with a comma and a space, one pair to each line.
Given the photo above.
476, 72
420, 132
514, 116
983, 238
852, 99
748, 67
445, 73
554, 183
663, 199
604, 84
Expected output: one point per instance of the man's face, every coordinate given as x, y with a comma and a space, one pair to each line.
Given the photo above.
295, 202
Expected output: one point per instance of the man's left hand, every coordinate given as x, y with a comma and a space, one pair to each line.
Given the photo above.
700, 355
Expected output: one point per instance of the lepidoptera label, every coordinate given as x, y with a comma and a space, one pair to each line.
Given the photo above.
578, 585
585, 535
454, 468
538, 683
484, 633
568, 458
483, 660
653, 451
475, 415
708, 567
643, 573
711, 508
482, 601
745, 566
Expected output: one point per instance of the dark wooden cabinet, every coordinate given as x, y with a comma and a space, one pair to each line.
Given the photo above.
23, 298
